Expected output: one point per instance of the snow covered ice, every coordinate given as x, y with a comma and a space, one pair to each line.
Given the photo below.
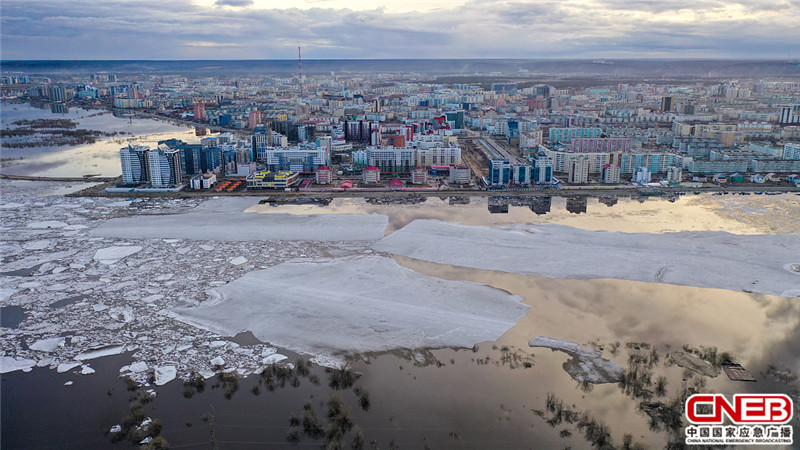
356, 305
753, 263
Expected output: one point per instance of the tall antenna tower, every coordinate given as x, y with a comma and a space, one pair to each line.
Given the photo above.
300, 68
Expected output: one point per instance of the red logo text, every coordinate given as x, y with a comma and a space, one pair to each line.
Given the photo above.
746, 408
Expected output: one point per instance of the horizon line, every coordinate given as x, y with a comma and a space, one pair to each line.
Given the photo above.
418, 59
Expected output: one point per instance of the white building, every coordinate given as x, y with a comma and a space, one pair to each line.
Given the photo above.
420, 175
165, 167
460, 174
372, 175
642, 175
611, 173
674, 175
324, 175
134, 164
294, 159
203, 181
579, 170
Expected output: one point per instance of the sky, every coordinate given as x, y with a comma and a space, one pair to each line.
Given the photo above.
333, 29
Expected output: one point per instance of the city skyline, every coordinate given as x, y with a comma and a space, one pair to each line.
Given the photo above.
260, 29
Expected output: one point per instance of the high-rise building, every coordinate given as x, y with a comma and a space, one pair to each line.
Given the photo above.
199, 111
165, 167
254, 119
674, 175
499, 172
579, 170
135, 164
642, 175
667, 103
611, 173
58, 93
790, 115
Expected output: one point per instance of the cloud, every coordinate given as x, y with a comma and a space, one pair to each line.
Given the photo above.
183, 29
234, 3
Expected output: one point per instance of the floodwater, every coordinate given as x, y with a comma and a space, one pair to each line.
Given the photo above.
471, 398
100, 158
775, 214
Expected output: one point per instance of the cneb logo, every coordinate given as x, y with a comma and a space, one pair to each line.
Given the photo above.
746, 408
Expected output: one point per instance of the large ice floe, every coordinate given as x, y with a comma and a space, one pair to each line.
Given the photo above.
355, 305
753, 263
224, 220
586, 364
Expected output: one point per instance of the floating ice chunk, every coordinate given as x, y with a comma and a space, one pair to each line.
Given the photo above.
75, 227
392, 308
66, 367
47, 345
172, 241
207, 248
272, 359
37, 245
138, 367
47, 224
183, 250
239, 260
218, 361
11, 205
120, 204
86, 370
110, 255
124, 315
68, 383
217, 344
9, 364
152, 298
6, 293
115, 429
101, 352
99, 307
45, 362
31, 284
165, 374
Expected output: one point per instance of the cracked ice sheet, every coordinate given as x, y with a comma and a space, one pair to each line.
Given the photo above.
754, 263
227, 221
356, 305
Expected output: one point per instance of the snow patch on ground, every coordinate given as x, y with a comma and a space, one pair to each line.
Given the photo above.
753, 263
586, 363
382, 306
